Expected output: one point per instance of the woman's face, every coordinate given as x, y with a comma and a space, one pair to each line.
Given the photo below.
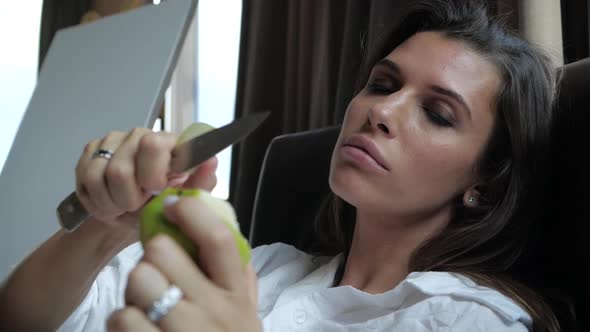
411, 138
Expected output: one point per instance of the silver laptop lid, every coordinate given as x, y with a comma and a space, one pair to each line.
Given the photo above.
107, 75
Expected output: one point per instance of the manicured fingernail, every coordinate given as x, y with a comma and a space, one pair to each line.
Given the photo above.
155, 192
171, 200
178, 176
177, 180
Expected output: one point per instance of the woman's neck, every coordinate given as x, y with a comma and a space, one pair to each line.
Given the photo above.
381, 249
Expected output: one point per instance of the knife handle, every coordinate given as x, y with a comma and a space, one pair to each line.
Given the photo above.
71, 213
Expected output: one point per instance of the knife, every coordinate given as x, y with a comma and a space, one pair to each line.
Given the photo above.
71, 213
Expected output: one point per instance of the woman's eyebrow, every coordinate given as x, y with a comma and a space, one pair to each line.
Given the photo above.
453, 95
389, 64
394, 67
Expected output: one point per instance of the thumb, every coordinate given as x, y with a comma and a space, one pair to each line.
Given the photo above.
252, 284
204, 176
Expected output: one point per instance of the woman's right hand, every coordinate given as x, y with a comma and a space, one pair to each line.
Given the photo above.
114, 190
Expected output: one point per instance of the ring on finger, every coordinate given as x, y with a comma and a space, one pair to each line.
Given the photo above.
162, 306
103, 153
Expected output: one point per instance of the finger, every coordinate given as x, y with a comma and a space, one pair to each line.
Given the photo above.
93, 180
178, 267
204, 176
177, 180
252, 281
152, 163
81, 166
130, 319
182, 317
217, 250
145, 284
86, 157
120, 173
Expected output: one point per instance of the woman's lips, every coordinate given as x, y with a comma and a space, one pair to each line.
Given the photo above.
364, 150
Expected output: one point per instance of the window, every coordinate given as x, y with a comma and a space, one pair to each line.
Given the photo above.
20, 22
218, 45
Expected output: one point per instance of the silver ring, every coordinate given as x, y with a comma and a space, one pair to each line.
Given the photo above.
162, 306
103, 153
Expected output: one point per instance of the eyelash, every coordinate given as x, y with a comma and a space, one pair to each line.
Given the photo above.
433, 116
377, 88
436, 118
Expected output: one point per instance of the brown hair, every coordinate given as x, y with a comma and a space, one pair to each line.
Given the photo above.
481, 243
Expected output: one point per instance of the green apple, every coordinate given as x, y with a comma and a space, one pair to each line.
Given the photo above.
194, 130
153, 221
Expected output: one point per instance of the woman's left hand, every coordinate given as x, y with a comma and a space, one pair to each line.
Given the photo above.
219, 294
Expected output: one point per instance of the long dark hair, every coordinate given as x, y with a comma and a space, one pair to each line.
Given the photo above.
484, 242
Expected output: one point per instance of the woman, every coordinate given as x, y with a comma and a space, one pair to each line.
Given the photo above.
439, 154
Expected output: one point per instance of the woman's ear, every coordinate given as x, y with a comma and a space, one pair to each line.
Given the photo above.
471, 197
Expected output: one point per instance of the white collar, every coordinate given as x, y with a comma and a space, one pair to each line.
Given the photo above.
319, 285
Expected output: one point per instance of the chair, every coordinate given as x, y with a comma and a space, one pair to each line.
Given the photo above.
294, 180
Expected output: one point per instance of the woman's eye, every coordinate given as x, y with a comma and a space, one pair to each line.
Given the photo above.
437, 119
377, 88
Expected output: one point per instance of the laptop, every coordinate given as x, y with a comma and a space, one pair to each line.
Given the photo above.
107, 75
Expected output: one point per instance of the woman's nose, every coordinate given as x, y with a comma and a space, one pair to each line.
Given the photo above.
384, 115
380, 126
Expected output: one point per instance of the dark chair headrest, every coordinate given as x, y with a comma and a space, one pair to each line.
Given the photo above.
293, 183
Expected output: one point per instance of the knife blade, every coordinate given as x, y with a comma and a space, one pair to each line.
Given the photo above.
71, 213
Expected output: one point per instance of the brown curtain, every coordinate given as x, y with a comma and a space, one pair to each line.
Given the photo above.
575, 28
300, 60
56, 15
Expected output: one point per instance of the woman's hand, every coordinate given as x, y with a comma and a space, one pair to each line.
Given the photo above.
114, 190
219, 294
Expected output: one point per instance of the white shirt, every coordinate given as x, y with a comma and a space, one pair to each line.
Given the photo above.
296, 294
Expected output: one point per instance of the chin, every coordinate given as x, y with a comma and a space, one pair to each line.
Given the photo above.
347, 184
356, 189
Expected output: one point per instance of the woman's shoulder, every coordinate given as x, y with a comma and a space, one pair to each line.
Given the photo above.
455, 292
